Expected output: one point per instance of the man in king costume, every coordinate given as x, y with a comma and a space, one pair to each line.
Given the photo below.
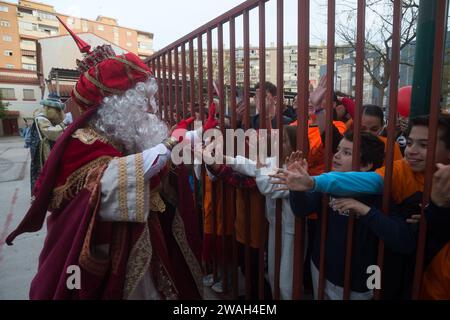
116, 209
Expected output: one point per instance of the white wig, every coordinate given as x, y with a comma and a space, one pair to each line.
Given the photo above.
126, 120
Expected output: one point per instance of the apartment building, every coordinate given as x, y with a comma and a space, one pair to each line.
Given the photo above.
22, 24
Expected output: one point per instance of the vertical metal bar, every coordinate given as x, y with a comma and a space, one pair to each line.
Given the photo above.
263, 125
200, 76
152, 63
160, 102
422, 79
192, 76
356, 137
435, 104
302, 111
393, 95
183, 77
221, 94
234, 274
248, 283
213, 189
177, 84
164, 71
328, 138
280, 103
169, 87
210, 65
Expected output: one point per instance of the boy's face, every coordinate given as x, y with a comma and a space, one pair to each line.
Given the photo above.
417, 145
343, 159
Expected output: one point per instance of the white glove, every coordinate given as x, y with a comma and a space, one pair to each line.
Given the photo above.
68, 119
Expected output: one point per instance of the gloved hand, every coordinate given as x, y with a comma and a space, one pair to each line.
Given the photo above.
68, 119
211, 122
185, 123
180, 130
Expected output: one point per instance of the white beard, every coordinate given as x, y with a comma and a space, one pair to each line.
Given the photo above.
124, 119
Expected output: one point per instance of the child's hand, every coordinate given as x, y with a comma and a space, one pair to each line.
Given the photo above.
298, 180
415, 218
345, 205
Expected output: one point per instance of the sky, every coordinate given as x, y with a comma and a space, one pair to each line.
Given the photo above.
169, 20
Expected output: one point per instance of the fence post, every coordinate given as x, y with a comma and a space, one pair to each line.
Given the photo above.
424, 59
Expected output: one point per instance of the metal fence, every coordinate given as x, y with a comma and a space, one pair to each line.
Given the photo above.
183, 83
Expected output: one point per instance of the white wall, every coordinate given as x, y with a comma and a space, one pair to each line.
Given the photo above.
62, 52
26, 108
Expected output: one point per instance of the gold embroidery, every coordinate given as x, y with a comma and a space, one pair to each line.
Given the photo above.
75, 182
132, 65
162, 278
156, 202
163, 282
89, 136
100, 85
180, 236
138, 262
123, 205
81, 98
140, 188
87, 260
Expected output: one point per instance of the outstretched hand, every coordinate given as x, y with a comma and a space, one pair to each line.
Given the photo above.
295, 178
316, 97
294, 160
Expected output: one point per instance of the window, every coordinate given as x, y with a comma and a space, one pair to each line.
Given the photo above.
5, 23
28, 94
9, 66
48, 29
129, 44
28, 26
70, 21
8, 53
8, 93
28, 43
7, 38
101, 28
144, 46
29, 66
129, 33
4, 9
25, 11
46, 16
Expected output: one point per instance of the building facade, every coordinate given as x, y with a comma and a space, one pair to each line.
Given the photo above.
22, 24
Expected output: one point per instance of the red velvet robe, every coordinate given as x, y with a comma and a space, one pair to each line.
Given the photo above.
70, 189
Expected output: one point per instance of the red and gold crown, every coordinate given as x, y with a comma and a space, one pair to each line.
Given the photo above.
104, 74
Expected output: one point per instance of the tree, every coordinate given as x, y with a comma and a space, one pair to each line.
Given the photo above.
3, 107
378, 37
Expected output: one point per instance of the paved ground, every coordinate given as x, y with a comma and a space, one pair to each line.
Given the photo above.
18, 263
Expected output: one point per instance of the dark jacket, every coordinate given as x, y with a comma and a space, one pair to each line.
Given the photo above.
393, 230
